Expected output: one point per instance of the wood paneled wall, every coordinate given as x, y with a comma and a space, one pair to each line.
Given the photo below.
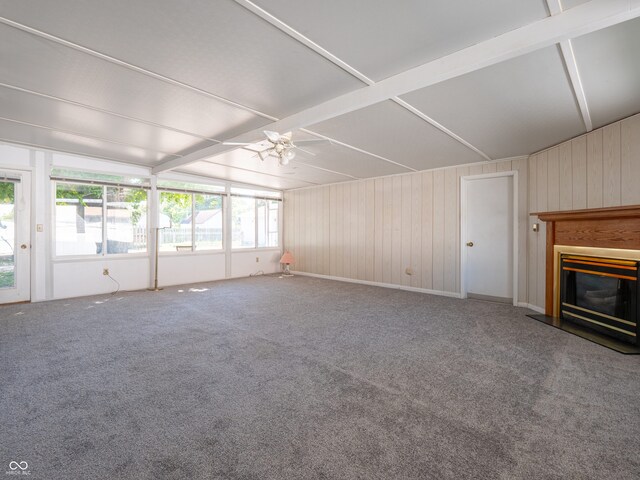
599, 169
373, 230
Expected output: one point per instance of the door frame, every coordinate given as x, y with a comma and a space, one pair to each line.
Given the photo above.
29, 174
464, 183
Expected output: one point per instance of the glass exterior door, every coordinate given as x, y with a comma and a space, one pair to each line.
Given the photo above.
15, 248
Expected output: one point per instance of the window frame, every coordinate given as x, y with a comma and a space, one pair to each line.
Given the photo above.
193, 193
104, 254
256, 222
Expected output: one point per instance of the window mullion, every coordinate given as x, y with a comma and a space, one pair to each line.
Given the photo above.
193, 222
104, 221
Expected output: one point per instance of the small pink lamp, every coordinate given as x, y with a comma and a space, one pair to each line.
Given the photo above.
287, 259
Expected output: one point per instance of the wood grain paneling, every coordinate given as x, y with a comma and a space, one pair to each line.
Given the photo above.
416, 230
630, 160
594, 169
378, 207
611, 165
565, 178
375, 229
438, 230
579, 172
553, 179
427, 230
600, 169
606, 233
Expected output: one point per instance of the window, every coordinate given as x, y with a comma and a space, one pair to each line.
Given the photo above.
87, 216
243, 216
267, 222
254, 222
185, 217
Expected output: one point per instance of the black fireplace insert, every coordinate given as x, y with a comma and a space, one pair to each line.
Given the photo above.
601, 294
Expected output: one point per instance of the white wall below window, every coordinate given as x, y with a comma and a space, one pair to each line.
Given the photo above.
77, 278
190, 268
244, 264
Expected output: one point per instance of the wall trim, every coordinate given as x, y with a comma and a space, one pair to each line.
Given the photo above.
535, 308
441, 293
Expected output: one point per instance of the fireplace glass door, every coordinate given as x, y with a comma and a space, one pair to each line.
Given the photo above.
600, 294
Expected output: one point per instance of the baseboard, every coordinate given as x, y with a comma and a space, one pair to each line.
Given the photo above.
531, 307
380, 284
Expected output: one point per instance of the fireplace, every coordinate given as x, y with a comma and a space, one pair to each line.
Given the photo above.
591, 277
600, 293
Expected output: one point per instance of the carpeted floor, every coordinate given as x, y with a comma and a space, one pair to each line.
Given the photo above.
268, 378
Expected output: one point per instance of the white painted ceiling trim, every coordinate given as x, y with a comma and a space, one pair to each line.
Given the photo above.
107, 112
365, 152
327, 170
589, 17
284, 177
576, 83
306, 41
569, 58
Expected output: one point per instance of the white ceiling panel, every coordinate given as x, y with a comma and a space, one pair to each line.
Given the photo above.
46, 67
296, 169
232, 174
24, 134
394, 133
609, 66
17, 105
567, 4
217, 46
335, 157
380, 38
512, 108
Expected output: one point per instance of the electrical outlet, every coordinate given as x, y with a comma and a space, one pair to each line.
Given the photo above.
105, 271
257, 259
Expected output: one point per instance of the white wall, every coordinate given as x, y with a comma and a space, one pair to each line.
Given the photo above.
372, 230
64, 277
599, 169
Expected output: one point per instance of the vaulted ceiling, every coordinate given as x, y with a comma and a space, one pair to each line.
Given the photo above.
390, 87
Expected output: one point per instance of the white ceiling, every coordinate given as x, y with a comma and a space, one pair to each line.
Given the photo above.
152, 81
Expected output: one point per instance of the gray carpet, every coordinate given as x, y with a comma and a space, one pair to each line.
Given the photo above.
268, 378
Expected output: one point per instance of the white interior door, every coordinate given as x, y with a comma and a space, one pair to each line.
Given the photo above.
488, 238
15, 246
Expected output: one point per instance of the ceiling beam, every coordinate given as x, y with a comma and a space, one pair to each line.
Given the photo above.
589, 17
307, 42
571, 64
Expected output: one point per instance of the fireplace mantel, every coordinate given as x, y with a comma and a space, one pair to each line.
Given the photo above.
615, 227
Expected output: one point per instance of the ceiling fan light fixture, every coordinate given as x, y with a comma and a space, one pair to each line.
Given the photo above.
289, 154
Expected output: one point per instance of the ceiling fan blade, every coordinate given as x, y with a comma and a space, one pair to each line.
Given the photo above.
305, 151
286, 136
319, 140
273, 137
240, 144
250, 149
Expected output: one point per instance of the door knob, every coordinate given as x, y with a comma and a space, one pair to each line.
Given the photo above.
23, 246
469, 244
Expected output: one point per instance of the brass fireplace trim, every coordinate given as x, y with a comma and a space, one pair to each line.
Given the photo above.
614, 253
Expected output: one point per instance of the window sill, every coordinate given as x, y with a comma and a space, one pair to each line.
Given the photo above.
259, 249
98, 258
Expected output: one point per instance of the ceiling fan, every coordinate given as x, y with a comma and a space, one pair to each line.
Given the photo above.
277, 145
